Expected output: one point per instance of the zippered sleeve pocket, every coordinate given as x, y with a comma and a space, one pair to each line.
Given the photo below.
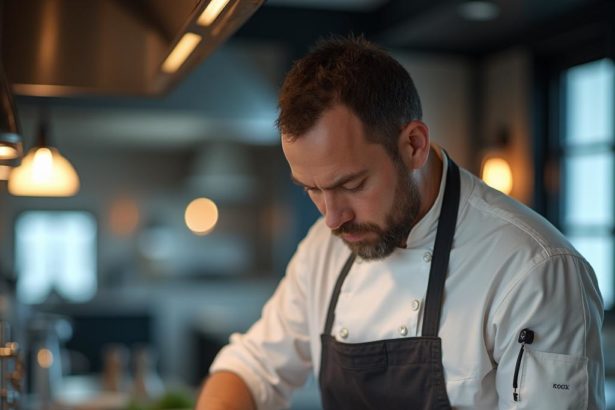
552, 381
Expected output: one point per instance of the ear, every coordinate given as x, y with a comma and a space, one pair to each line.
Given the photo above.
413, 144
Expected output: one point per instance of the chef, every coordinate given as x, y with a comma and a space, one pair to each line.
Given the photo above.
420, 287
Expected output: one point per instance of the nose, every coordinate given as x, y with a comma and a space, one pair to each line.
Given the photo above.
335, 211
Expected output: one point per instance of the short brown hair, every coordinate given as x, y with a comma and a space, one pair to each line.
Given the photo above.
354, 72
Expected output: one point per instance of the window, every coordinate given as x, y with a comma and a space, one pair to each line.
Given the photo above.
587, 167
55, 250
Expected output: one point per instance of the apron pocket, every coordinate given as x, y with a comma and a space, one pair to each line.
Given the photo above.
552, 381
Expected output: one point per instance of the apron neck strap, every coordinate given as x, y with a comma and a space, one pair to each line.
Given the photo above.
336, 293
442, 249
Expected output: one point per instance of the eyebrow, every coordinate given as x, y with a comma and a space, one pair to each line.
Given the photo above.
338, 182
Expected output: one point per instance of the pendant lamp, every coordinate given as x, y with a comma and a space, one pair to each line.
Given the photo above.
44, 171
11, 148
495, 169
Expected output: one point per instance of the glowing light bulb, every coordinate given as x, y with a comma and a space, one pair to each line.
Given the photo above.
496, 173
124, 216
42, 165
44, 357
201, 216
7, 152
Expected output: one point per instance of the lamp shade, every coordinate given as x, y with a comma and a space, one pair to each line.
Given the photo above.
44, 172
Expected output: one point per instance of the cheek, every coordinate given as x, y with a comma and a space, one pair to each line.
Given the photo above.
379, 200
390, 198
374, 206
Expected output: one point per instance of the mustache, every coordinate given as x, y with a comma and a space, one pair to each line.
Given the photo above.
351, 227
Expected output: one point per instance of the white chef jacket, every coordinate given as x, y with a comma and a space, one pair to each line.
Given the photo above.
509, 269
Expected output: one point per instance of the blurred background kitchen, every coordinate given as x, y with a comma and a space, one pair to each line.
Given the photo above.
158, 216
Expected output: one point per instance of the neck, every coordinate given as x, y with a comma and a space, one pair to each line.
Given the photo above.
428, 181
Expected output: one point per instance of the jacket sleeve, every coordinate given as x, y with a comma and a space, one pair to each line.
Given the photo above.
273, 357
562, 368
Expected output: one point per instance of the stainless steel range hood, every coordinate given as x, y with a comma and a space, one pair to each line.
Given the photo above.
107, 47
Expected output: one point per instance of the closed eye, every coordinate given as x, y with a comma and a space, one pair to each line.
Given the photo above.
349, 183
354, 187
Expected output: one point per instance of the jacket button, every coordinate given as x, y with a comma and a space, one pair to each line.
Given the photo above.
343, 333
415, 305
427, 257
403, 330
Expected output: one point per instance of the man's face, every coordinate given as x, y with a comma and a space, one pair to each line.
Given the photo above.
368, 199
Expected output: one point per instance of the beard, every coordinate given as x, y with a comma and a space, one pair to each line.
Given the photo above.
399, 221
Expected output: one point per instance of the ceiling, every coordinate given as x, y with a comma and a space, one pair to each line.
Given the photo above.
432, 25
232, 93
348, 5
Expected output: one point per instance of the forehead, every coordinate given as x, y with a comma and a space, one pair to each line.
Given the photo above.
335, 144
